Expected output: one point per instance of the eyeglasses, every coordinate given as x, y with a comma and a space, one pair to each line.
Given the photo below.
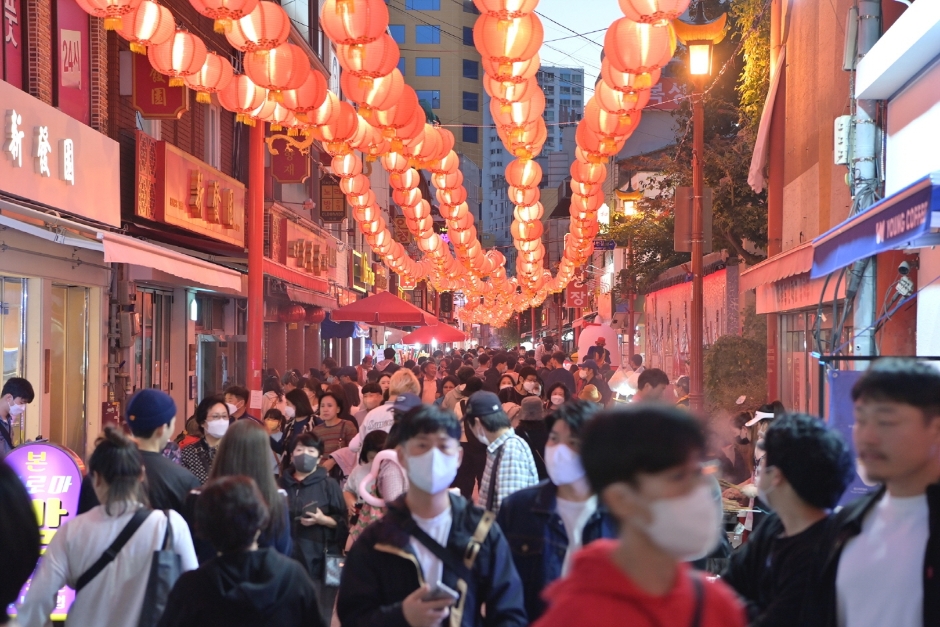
217, 417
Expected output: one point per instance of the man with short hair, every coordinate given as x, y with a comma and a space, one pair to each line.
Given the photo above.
526, 385
362, 370
236, 399
381, 418
16, 394
491, 377
428, 382
645, 464
651, 385
151, 417
388, 364
372, 397
545, 366
636, 363
453, 398
559, 374
598, 353
484, 360
510, 466
590, 375
882, 566
396, 571
682, 391
803, 474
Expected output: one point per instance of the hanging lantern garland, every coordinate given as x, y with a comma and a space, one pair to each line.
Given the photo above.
147, 25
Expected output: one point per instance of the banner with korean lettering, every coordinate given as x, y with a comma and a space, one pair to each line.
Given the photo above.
73, 66
576, 295
289, 165
153, 97
666, 95
332, 201
53, 477
11, 59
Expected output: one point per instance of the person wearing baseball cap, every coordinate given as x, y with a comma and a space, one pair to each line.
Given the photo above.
510, 466
590, 375
151, 417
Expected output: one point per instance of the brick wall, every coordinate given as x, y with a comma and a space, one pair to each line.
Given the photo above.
99, 76
39, 49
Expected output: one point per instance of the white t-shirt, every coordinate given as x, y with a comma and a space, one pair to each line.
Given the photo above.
355, 478
439, 529
574, 514
380, 418
880, 578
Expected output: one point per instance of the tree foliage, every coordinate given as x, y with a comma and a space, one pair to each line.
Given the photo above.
735, 366
733, 102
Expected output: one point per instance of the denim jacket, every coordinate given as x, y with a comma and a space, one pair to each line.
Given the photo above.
538, 539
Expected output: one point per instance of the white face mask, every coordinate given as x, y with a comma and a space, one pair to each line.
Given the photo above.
217, 428
432, 471
290, 412
583, 374
231, 408
17, 410
505, 386
686, 527
557, 399
562, 464
481, 436
530, 386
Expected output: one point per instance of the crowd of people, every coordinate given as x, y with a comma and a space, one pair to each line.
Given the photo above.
494, 488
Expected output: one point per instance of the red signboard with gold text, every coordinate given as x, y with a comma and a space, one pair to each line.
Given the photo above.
153, 97
175, 188
289, 165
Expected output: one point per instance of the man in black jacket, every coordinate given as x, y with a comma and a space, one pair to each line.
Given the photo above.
803, 474
400, 569
882, 563
492, 375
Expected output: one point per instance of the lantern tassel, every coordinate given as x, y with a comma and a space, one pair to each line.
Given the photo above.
113, 23
222, 25
203, 97
138, 48
176, 81
275, 95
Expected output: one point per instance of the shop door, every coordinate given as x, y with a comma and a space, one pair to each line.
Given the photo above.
152, 347
220, 363
13, 336
68, 368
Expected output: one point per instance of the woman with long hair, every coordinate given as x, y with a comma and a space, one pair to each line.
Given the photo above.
300, 415
115, 595
556, 396
19, 539
334, 432
272, 395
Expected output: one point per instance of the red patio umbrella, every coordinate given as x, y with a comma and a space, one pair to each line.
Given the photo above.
383, 308
443, 333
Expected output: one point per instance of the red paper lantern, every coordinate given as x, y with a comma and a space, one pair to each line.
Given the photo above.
111, 11
284, 67
265, 28
354, 185
523, 174
625, 81
653, 11
308, 96
348, 22
517, 40
506, 9
516, 72
381, 93
215, 75
639, 48
619, 102
181, 55
242, 97
342, 126
591, 173
292, 313
369, 61
617, 124
224, 12
314, 315
147, 25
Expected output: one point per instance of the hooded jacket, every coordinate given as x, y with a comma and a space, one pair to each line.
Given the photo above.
246, 589
312, 543
596, 593
381, 570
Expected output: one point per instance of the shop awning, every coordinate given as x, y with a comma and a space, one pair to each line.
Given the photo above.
300, 295
795, 261
330, 330
123, 249
907, 219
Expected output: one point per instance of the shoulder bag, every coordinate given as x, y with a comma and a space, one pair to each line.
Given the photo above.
112, 551
165, 568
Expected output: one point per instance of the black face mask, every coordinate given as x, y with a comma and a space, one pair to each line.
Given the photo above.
742, 441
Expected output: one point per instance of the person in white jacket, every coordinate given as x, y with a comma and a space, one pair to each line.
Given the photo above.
115, 596
381, 418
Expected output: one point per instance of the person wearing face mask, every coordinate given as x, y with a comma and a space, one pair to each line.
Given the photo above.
510, 466
236, 399
213, 419
17, 393
645, 464
317, 512
530, 425
559, 515
589, 374
499, 364
805, 470
427, 538
301, 417
559, 374
527, 385
274, 424
272, 395
557, 396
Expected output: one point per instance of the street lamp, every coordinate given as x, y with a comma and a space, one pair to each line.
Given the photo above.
699, 36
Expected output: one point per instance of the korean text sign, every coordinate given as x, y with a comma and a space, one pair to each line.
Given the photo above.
53, 477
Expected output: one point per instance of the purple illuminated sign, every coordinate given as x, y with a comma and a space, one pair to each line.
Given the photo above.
53, 477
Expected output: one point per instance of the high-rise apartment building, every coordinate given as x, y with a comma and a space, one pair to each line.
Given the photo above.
439, 61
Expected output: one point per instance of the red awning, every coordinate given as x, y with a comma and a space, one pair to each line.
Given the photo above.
383, 308
795, 261
442, 333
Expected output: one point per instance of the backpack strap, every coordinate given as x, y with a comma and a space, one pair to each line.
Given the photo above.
494, 474
478, 538
112, 551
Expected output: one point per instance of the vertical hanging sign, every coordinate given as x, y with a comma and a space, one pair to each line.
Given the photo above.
73, 63
332, 201
12, 52
153, 97
289, 165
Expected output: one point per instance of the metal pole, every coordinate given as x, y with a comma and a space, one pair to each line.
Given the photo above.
696, 369
631, 319
532, 309
255, 254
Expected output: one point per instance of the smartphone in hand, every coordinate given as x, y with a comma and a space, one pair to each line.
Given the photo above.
441, 591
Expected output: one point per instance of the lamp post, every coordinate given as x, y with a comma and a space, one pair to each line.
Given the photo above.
700, 37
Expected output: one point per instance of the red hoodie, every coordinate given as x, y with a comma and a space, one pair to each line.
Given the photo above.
596, 593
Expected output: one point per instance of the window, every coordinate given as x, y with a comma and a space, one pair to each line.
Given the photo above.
427, 66
565, 89
471, 134
427, 34
549, 116
564, 102
398, 32
549, 90
577, 79
212, 153
471, 101
423, 5
566, 78
431, 96
576, 91
467, 36
401, 65
471, 69
576, 104
549, 102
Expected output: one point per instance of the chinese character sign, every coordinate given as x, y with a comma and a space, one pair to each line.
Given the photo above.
153, 97
332, 201
289, 165
53, 477
11, 59
576, 295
